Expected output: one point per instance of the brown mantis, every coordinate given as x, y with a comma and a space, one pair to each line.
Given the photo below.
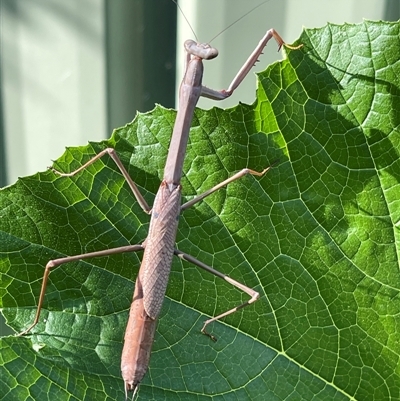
159, 246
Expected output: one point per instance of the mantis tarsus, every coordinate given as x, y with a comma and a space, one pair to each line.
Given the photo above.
159, 245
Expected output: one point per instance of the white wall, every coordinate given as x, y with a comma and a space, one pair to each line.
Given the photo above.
53, 78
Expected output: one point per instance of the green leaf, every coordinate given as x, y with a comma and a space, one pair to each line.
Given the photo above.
318, 237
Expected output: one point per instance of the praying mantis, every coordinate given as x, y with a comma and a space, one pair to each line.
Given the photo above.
159, 246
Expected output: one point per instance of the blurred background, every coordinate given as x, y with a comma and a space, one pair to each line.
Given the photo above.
71, 71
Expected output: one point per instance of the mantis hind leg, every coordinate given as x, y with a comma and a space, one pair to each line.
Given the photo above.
252, 293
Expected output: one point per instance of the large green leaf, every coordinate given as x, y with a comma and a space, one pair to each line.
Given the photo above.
318, 237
